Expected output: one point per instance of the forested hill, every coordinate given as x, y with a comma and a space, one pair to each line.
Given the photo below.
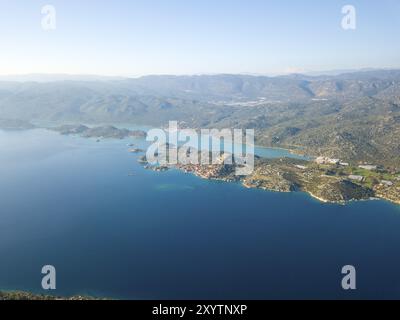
353, 116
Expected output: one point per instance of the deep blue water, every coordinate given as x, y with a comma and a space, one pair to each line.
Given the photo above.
71, 203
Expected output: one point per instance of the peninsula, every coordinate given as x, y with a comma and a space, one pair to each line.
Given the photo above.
329, 181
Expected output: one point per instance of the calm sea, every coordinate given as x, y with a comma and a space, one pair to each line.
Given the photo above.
113, 229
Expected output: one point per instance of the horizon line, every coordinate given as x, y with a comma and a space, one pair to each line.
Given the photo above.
310, 73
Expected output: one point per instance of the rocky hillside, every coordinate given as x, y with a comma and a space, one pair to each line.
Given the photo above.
353, 116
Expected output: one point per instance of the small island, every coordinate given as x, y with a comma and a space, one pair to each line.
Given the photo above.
105, 132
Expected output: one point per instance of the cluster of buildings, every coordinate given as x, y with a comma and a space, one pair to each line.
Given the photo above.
353, 177
327, 160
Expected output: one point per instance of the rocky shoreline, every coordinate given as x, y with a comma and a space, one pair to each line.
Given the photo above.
326, 183
23, 296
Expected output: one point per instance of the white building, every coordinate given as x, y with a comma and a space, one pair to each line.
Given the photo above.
326, 160
387, 183
356, 178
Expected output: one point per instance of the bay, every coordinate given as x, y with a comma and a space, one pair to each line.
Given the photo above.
114, 229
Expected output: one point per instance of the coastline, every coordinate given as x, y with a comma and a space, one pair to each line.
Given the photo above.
325, 201
309, 193
18, 295
292, 151
396, 202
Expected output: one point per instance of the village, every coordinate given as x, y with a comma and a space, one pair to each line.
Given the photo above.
324, 178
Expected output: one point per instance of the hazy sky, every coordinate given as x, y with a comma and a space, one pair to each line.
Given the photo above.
135, 37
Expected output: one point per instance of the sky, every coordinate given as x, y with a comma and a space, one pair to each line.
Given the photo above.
138, 37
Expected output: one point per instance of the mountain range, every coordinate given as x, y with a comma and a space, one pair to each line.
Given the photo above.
353, 116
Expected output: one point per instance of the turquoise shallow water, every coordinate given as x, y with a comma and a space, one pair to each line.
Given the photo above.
113, 229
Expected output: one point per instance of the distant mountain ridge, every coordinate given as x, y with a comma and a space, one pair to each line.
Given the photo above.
354, 116
43, 78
